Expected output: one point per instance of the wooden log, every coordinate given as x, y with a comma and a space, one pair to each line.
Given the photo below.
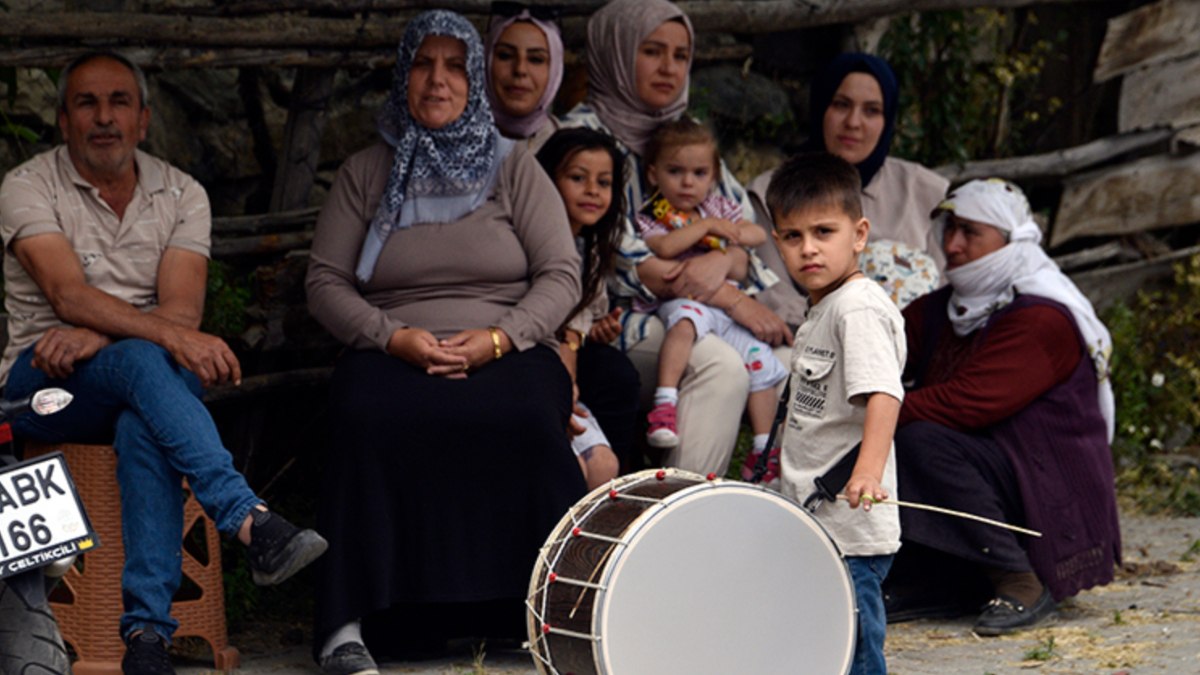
1090, 256
1155, 33
1108, 285
274, 28
1167, 94
261, 384
1150, 193
765, 15
172, 58
1058, 163
1186, 141
283, 220
261, 245
301, 151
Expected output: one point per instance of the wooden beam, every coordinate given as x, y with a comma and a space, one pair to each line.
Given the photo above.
284, 220
269, 24
1150, 193
297, 167
1152, 34
1186, 141
230, 247
1108, 285
1056, 164
261, 384
1089, 256
173, 58
1167, 94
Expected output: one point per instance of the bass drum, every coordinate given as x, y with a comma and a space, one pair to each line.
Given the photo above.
664, 571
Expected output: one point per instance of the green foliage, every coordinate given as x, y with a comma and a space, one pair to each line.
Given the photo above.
1044, 651
1118, 619
226, 300
968, 83
1156, 381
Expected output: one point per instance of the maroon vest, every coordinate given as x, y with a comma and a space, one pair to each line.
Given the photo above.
1058, 448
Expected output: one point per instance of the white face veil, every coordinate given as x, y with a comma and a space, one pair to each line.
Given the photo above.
986, 284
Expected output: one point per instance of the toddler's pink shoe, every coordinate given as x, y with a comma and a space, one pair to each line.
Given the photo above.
662, 433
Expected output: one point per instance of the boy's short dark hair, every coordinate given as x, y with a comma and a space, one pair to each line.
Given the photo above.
814, 178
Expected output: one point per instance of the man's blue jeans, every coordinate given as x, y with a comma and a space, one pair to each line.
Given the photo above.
868, 573
163, 432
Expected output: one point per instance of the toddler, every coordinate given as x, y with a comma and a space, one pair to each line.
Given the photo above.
686, 217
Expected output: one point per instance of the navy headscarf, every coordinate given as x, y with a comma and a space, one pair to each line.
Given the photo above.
826, 84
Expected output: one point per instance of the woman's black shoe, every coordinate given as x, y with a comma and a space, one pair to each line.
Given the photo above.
1004, 615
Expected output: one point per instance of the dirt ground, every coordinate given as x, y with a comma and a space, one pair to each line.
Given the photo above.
1146, 621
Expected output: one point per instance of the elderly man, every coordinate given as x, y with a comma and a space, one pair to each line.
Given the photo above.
105, 263
1009, 415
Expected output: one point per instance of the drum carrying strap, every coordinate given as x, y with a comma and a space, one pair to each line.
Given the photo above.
829, 484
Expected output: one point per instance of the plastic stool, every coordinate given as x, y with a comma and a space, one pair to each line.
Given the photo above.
89, 614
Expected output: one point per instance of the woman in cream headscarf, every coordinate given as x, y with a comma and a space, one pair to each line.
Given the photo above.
443, 261
1009, 416
639, 54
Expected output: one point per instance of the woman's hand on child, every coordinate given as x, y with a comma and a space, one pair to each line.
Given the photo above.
762, 322
607, 328
719, 227
698, 278
865, 489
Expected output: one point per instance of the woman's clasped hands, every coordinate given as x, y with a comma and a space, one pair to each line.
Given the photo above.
454, 357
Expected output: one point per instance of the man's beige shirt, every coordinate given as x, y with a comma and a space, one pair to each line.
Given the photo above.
120, 256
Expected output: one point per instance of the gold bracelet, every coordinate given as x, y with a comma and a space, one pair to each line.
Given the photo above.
497, 351
735, 304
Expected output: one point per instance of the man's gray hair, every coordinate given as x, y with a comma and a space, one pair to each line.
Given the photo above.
138, 75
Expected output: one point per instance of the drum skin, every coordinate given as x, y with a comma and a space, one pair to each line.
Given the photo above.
666, 572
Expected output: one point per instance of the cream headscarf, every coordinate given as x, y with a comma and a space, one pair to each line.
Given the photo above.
614, 34
986, 284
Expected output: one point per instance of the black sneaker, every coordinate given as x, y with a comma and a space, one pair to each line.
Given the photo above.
279, 549
1004, 615
351, 658
146, 654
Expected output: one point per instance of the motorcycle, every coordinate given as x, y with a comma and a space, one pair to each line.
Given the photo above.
43, 528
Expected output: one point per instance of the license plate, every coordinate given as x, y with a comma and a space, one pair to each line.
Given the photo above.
41, 516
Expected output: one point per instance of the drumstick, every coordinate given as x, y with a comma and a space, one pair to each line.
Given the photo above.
948, 512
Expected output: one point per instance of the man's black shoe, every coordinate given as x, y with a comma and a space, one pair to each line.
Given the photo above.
279, 549
146, 654
1004, 615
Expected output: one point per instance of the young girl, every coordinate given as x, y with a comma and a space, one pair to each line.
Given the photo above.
585, 166
686, 218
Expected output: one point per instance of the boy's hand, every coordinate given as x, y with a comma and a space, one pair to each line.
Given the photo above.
866, 489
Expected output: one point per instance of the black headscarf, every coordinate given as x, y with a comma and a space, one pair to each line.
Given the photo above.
826, 84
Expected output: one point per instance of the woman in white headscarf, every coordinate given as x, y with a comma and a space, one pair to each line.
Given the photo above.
639, 53
443, 261
1009, 416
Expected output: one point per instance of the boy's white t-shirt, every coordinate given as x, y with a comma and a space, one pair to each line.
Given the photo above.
851, 345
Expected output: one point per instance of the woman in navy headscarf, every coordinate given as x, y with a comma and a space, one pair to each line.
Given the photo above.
443, 261
854, 101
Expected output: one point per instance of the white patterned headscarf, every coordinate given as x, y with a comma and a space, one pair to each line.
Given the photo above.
986, 284
451, 168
